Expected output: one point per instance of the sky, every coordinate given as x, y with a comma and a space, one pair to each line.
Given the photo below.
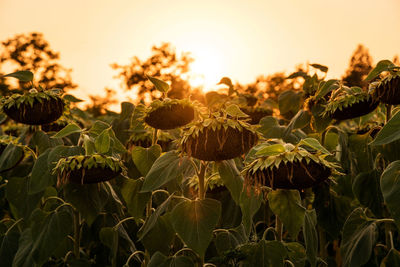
238, 39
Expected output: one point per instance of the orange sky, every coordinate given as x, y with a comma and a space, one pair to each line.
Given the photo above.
239, 39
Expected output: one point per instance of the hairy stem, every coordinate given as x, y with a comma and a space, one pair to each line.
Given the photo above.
278, 228
388, 112
154, 141
201, 175
77, 229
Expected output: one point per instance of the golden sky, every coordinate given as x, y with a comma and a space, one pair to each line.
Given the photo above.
239, 39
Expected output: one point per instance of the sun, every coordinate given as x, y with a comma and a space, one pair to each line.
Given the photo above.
207, 68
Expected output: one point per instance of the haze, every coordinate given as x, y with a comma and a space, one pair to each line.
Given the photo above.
239, 39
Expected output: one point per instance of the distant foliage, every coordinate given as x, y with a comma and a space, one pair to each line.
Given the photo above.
359, 67
32, 52
163, 63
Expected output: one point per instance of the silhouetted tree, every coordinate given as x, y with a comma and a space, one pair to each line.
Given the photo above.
359, 67
164, 64
32, 52
270, 86
99, 105
396, 60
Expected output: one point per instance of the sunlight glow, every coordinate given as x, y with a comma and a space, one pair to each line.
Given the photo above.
206, 70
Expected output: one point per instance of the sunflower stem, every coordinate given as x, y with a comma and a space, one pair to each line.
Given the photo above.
201, 175
77, 230
154, 141
279, 228
388, 112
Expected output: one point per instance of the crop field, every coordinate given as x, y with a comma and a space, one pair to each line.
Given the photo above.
230, 179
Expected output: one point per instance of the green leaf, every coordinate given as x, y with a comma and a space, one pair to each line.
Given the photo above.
88, 144
22, 75
161, 236
272, 252
234, 111
296, 253
250, 202
367, 189
23, 257
9, 247
98, 127
286, 204
151, 221
22, 204
159, 84
289, 101
299, 121
390, 186
67, 130
89, 199
49, 229
314, 144
270, 128
358, 239
10, 157
145, 157
160, 260
264, 254
58, 152
383, 65
157, 260
326, 87
298, 74
194, 221
72, 98
109, 237
102, 142
225, 241
332, 209
271, 150
135, 201
320, 67
389, 133
311, 236
231, 177
41, 176
42, 141
166, 168
391, 259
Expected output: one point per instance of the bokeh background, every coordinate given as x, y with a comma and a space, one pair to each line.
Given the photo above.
247, 41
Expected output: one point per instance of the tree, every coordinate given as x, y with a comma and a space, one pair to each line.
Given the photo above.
359, 67
165, 64
270, 86
99, 105
32, 52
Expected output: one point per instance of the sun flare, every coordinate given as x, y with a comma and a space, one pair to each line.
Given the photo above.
206, 70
